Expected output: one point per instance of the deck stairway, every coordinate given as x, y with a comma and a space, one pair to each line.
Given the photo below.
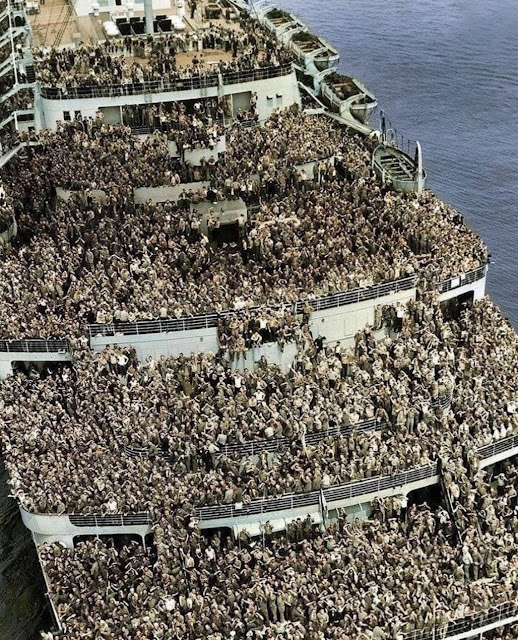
12, 35
6, 66
14, 90
30, 73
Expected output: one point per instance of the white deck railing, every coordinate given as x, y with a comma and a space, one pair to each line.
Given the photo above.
470, 626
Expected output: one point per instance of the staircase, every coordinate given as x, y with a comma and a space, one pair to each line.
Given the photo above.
30, 74
13, 90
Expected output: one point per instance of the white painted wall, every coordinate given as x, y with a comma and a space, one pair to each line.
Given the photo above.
273, 353
285, 86
55, 528
342, 323
195, 156
156, 345
338, 324
163, 194
7, 359
478, 288
6, 368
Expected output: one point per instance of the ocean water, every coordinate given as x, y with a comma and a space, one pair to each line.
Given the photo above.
22, 601
446, 73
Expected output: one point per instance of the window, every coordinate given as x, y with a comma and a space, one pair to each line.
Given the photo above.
279, 99
66, 116
77, 115
269, 101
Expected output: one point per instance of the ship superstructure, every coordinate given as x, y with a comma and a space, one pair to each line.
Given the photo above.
255, 344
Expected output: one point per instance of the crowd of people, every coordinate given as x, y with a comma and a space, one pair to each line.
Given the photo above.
6, 210
397, 573
335, 230
239, 47
243, 330
188, 130
287, 139
22, 100
197, 127
189, 408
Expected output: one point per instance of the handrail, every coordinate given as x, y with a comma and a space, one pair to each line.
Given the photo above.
20, 115
254, 447
462, 279
211, 320
12, 34
468, 626
18, 86
353, 489
358, 295
252, 75
130, 89
10, 153
34, 346
490, 450
333, 494
159, 86
394, 138
208, 321
111, 520
286, 502
155, 326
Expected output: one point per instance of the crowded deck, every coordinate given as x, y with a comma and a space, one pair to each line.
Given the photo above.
320, 440
361, 234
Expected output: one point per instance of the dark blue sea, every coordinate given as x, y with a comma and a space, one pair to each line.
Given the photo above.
445, 72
